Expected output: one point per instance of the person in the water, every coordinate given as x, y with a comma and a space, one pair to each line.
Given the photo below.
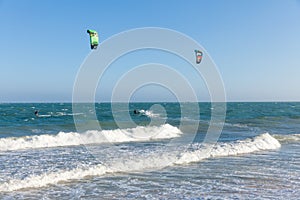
136, 112
36, 113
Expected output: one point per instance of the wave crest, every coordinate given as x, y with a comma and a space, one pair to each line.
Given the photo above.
139, 133
288, 138
262, 142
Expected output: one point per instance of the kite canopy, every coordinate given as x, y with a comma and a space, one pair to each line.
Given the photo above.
94, 40
199, 55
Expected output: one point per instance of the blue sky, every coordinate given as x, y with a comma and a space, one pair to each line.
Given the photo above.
255, 44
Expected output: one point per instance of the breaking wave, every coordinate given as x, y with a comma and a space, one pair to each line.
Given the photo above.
143, 162
262, 142
139, 133
288, 138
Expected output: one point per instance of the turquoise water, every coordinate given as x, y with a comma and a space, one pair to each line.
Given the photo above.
149, 155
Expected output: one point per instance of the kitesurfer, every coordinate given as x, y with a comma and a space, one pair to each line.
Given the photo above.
136, 112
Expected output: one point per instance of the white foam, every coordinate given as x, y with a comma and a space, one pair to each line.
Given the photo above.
262, 142
58, 114
288, 138
139, 133
44, 115
149, 113
238, 125
36, 181
142, 162
121, 165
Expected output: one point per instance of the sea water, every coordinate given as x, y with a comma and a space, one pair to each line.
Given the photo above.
149, 155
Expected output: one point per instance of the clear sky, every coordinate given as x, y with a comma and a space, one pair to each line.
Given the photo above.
254, 43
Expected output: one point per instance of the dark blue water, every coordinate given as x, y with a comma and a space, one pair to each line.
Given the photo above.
149, 155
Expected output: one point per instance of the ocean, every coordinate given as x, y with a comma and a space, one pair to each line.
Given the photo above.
149, 154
